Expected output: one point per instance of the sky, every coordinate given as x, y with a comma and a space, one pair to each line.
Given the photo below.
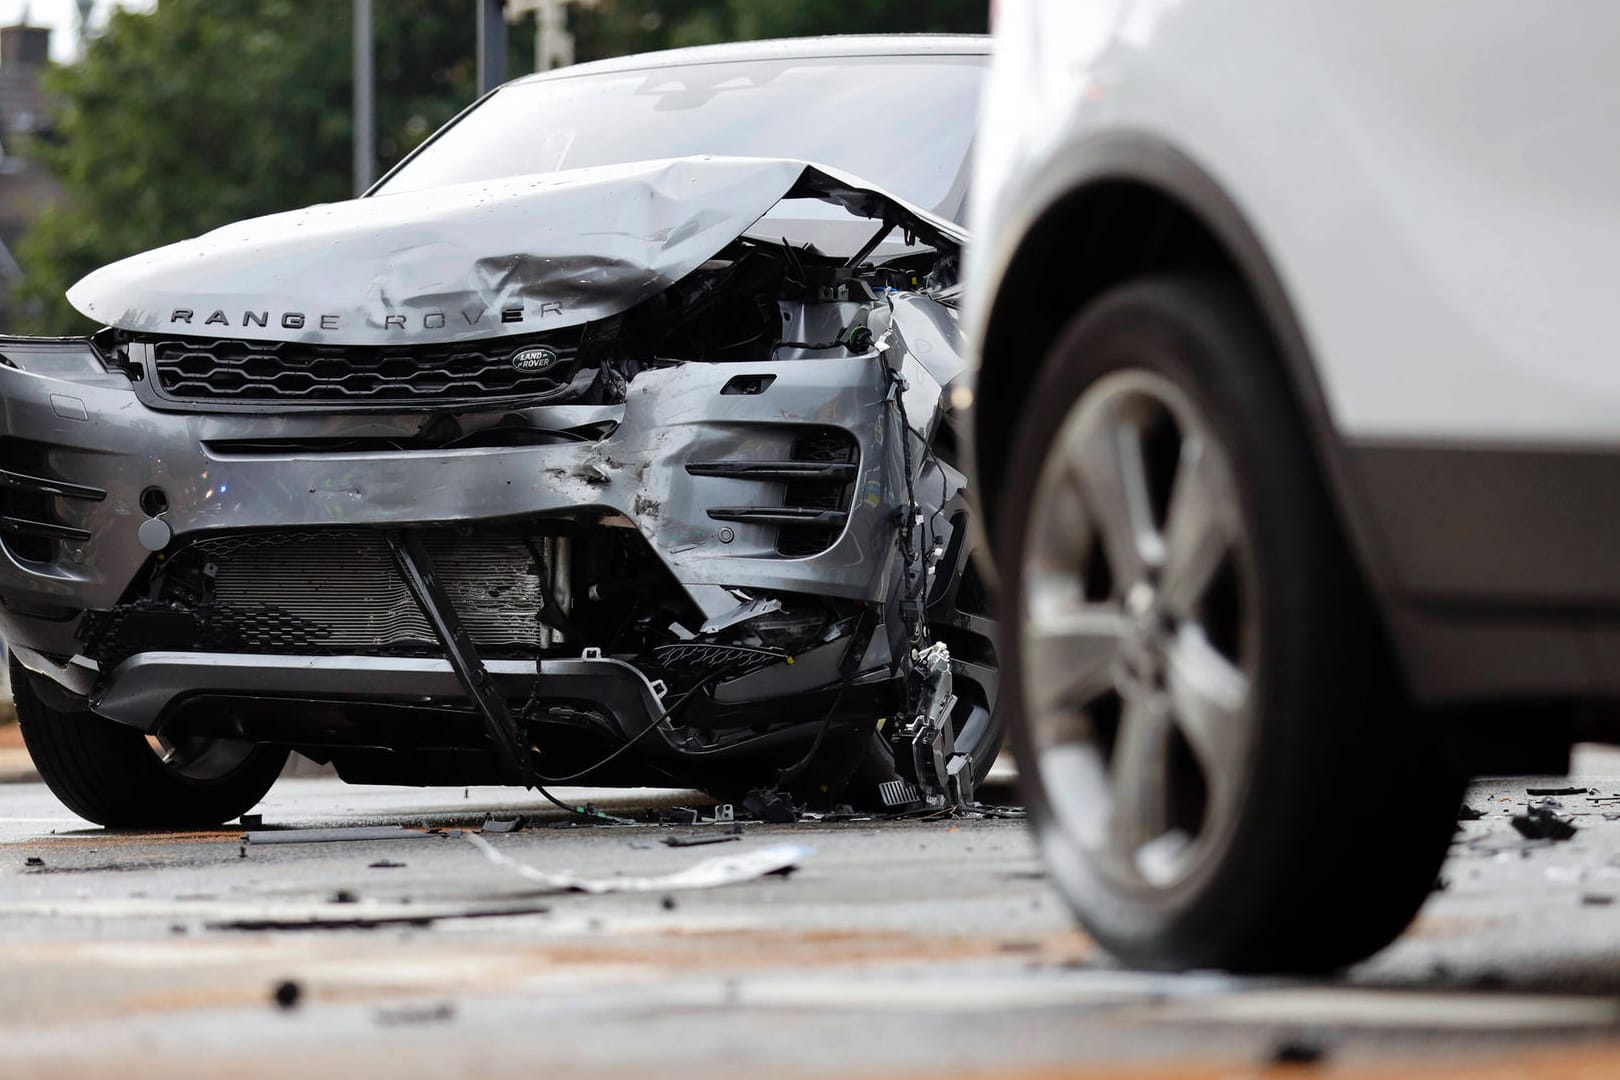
62, 16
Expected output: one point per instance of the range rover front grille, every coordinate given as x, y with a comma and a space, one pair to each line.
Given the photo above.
296, 373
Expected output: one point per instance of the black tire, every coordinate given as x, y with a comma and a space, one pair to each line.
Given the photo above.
109, 774
1339, 828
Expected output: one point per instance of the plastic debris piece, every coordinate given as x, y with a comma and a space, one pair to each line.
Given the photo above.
1540, 791
407, 1015
772, 806
707, 874
338, 836
370, 921
1539, 823
1297, 1050
287, 994
502, 825
699, 841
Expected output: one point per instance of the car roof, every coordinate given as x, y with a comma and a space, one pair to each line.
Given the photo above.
836, 45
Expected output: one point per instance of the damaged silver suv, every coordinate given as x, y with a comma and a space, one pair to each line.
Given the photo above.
608, 438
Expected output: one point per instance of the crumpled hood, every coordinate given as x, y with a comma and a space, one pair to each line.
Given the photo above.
480, 260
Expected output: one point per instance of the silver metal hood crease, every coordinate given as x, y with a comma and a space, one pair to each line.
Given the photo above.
470, 261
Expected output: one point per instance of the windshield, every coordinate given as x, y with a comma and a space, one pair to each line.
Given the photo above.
903, 123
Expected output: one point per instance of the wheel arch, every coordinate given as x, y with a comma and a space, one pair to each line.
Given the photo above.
1108, 210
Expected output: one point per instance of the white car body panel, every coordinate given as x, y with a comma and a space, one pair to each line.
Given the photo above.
1452, 264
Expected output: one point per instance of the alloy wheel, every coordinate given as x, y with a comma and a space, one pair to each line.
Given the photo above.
1138, 633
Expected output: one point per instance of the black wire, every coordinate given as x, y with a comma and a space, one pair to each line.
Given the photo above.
701, 683
792, 772
907, 549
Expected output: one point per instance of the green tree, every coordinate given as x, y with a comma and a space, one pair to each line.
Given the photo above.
203, 112
200, 113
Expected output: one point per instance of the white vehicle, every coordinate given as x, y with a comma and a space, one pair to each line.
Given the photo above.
1298, 427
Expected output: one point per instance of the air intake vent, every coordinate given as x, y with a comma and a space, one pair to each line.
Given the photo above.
295, 373
30, 492
813, 508
826, 446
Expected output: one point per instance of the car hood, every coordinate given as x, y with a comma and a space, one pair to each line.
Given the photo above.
490, 259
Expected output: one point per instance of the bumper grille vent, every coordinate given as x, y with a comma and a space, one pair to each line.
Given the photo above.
828, 446
209, 370
331, 593
31, 497
817, 481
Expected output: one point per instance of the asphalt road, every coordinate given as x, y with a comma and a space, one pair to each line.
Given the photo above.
896, 949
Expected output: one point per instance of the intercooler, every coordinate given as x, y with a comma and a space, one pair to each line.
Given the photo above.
338, 592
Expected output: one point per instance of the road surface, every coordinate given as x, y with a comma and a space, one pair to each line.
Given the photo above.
920, 948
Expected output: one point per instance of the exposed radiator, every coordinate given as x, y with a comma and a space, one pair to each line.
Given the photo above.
338, 592
347, 584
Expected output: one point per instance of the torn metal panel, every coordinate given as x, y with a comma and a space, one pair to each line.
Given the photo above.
492, 259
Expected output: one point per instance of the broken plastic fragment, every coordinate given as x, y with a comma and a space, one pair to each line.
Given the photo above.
708, 874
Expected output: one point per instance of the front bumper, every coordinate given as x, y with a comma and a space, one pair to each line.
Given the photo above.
107, 439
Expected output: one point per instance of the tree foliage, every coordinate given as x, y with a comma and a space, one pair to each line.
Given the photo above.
201, 112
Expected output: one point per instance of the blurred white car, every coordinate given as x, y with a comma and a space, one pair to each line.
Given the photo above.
1298, 425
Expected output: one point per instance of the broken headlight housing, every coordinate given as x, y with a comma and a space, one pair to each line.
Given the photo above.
73, 362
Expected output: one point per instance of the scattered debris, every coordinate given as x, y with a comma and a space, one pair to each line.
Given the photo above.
699, 841
385, 864
667, 903
679, 815
345, 896
1468, 813
442, 1013
772, 806
33, 860
707, 874
1541, 791
251, 821
590, 815
502, 825
1540, 823
335, 836
287, 994
1597, 900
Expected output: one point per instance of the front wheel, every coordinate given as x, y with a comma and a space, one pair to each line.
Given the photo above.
1202, 709
115, 776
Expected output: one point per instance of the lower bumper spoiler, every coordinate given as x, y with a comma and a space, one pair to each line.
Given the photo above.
141, 691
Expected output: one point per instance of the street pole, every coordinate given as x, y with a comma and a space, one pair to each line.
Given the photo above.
491, 45
365, 125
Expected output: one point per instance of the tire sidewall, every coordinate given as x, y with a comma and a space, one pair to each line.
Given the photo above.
1191, 333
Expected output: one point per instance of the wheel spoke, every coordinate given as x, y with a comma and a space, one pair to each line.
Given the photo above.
1112, 475
1209, 697
1198, 532
1139, 776
1069, 652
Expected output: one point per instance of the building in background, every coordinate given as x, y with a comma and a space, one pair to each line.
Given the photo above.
26, 187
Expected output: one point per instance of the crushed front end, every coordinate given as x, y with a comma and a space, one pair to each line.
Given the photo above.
665, 508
